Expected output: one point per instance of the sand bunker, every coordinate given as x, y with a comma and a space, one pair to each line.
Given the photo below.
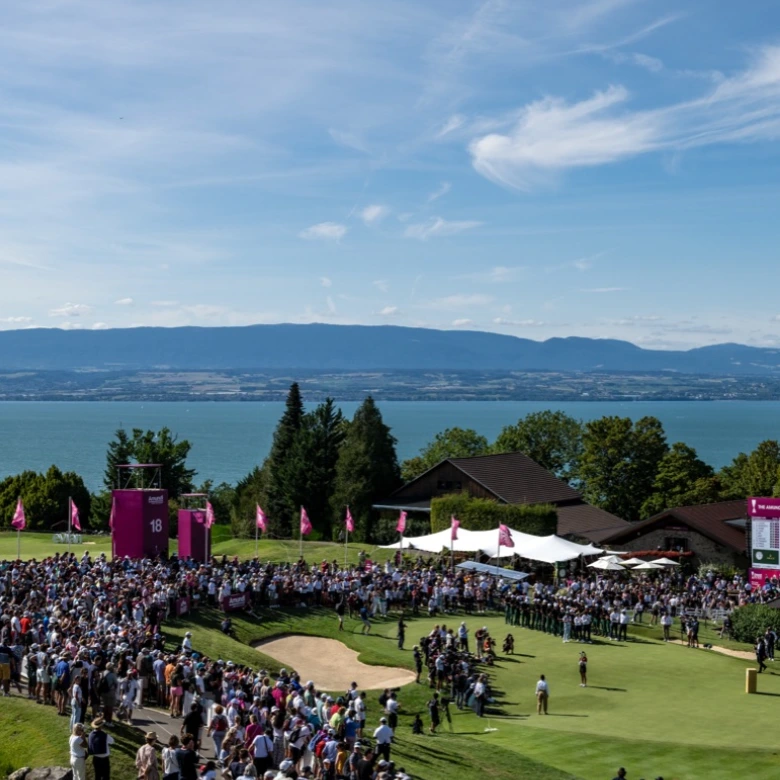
330, 664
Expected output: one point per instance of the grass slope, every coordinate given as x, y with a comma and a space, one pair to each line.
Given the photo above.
657, 709
33, 735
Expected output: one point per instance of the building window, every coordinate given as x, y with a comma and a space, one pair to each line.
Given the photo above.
441, 485
676, 543
458, 485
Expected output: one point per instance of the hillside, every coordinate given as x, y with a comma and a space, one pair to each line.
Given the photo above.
357, 347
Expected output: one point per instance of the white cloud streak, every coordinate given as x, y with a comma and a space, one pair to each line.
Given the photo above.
373, 214
437, 227
71, 310
326, 282
124, 302
440, 191
552, 136
327, 231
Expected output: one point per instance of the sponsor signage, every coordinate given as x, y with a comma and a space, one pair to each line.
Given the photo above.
764, 507
759, 577
235, 601
764, 534
182, 605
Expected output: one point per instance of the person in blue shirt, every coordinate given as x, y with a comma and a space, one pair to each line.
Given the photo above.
61, 683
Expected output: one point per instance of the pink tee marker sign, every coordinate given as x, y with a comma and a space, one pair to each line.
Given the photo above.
763, 507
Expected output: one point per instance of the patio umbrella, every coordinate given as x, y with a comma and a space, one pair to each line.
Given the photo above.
665, 562
605, 565
649, 565
632, 562
611, 558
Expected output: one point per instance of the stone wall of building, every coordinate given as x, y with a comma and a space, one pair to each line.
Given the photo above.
702, 546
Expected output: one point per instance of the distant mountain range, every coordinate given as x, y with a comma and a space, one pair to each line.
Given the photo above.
358, 347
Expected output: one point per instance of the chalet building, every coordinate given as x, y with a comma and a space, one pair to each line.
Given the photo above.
510, 478
714, 533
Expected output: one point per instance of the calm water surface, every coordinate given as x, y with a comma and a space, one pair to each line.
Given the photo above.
230, 438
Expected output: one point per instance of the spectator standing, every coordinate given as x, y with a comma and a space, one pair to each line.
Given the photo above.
383, 735
169, 759
146, 759
100, 749
78, 752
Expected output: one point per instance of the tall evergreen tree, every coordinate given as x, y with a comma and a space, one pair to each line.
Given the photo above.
282, 467
120, 452
367, 468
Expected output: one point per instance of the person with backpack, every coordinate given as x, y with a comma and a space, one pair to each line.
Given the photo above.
261, 749
100, 749
218, 728
107, 690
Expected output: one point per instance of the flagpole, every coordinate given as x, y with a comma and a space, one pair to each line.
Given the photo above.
346, 538
257, 539
70, 517
18, 545
300, 529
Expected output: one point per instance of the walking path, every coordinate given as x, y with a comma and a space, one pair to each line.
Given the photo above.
744, 654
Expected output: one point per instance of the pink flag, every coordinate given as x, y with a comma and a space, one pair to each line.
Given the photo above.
505, 537
111, 516
306, 527
261, 519
455, 526
19, 522
401, 527
350, 523
74, 516
209, 514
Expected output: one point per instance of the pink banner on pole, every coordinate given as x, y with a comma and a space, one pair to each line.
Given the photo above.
455, 525
74, 516
209, 514
19, 521
182, 605
505, 537
349, 522
261, 520
401, 527
306, 527
235, 601
763, 507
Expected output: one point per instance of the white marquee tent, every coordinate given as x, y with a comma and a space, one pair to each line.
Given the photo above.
548, 549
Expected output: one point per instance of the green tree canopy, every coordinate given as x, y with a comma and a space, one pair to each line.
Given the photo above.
756, 474
683, 479
45, 498
620, 461
450, 443
367, 469
552, 439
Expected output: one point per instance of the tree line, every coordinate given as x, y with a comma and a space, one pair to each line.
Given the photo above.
326, 462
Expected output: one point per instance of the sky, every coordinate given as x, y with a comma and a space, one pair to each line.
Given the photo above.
603, 168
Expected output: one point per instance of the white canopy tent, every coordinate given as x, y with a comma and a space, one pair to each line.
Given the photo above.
548, 549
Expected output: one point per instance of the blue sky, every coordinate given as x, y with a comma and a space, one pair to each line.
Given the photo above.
603, 168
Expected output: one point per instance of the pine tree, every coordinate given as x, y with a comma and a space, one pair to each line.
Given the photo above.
120, 452
367, 468
283, 465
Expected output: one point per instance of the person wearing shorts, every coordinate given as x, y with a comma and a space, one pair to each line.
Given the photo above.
583, 663
6, 659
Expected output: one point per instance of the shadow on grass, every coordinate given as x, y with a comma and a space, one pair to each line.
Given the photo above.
565, 715
605, 688
766, 693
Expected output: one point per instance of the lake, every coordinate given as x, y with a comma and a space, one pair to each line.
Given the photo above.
228, 439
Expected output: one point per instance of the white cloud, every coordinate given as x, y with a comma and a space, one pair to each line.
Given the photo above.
348, 139
373, 213
458, 301
99, 326
517, 323
325, 281
496, 275
71, 310
583, 264
552, 136
440, 191
603, 289
330, 231
453, 123
331, 304
389, 311
70, 326
16, 320
462, 323
381, 285
124, 302
436, 226
165, 304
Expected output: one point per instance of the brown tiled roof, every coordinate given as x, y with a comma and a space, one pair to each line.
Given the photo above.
516, 479
588, 522
707, 519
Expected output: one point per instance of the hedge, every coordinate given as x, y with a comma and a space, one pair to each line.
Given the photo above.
752, 620
482, 514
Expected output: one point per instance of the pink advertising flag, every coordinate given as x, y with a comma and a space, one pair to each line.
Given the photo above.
401, 527
209, 514
505, 537
455, 526
306, 527
111, 516
74, 515
350, 523
19, 522
261, 519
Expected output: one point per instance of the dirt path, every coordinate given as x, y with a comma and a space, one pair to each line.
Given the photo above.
332, 665
745, 655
